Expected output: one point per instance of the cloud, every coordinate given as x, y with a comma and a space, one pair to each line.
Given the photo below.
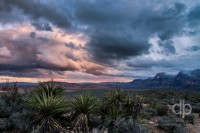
32, 34
168, 47
121, 32
28, 51
37, 10
103, 38
194, 13
43, 26
193, 48
149, 63
106, 45
5, 53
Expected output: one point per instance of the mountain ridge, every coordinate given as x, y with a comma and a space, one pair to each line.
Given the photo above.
184, 79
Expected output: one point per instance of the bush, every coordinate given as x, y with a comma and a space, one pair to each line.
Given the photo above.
162, 109
190, 119
48, 105
171, 123
196, 108
147, 113
11, 111
180, 129
128, 126
5, 124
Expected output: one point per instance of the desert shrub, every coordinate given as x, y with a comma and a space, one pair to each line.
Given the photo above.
196, 108
162, 109
119, 104
48, 88
180, 129
171, 123
82, 108
128, 126
132, 105
147, 113
190, 118
48, 105
5, 124
12, 110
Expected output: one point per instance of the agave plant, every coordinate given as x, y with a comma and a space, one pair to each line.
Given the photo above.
48, 106
82, 108
115, 97
132, 106
49, 88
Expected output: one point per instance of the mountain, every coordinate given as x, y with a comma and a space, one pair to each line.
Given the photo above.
184, 79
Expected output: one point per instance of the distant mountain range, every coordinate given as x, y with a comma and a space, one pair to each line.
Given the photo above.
184, 79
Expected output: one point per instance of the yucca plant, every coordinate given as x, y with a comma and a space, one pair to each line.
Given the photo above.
82, 108
47, 106
115, 97
132, 106
49, 88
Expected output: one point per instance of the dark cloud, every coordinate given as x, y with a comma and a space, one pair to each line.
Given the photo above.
37, 10
194, 13
194, 16
168, 47
103, 12
43, 39
120, 32
32, 34
71, 45
161, 22
116, 32
25, 57
108, 44
149, 63
42, 26
193, 48
36, 65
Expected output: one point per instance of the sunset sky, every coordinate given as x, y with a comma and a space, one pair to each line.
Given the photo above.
97, 40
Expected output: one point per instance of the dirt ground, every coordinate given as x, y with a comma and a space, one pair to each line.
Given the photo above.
152, 125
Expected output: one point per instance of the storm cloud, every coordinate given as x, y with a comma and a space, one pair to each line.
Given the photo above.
37, 10
129, 38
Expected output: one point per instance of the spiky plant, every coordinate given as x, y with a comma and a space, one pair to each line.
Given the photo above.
115, 97
82, 107
47, 106
113, 100
132, 106
49, 88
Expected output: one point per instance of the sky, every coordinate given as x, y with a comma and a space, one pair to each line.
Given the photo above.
97, 40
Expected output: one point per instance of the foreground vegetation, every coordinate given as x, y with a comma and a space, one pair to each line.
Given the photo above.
48, 109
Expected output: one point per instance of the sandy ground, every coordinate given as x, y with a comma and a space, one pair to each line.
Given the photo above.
196, 127
152, 125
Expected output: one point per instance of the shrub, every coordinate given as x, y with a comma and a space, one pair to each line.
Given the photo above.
5, 124
149, 112
128, 126
12, 110
171, 123
180, 129
48, 88
162, 109
190, 118
82, 107
196, 108
47, 106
